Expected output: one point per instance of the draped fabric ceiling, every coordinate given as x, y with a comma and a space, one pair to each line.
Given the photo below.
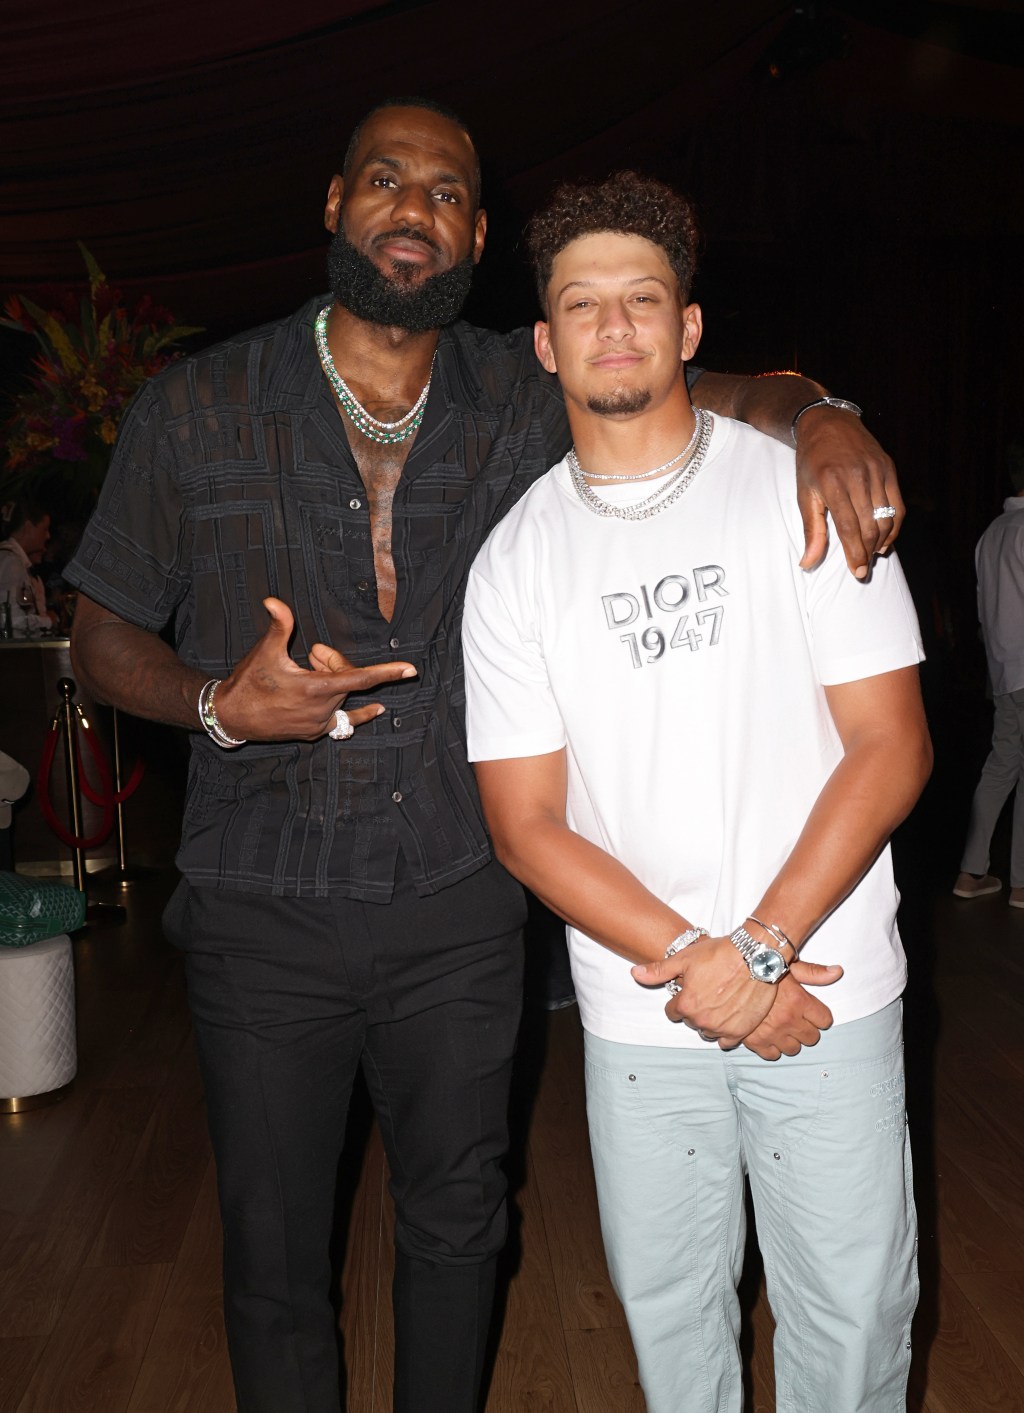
190, 145
864, 210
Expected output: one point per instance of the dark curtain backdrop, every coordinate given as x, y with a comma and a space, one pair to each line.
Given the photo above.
863, 210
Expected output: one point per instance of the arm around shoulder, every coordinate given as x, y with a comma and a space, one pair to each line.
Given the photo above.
840, 466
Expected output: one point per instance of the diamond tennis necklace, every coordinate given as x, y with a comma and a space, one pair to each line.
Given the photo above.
637, 475
384, 433
665, 495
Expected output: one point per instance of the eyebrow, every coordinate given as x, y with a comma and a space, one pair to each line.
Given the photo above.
590, 284
378, 159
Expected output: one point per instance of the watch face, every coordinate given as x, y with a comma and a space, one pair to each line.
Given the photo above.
767, 964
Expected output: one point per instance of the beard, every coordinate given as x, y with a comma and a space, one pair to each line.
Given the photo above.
621, 402
394, 300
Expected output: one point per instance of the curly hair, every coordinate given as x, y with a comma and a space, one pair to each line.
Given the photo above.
625, 203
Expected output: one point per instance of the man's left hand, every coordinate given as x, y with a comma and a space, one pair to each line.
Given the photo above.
841, 467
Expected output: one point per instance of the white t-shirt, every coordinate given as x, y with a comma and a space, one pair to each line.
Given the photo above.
680, 661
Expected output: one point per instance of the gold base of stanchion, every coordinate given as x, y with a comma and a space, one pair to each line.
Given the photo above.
117, 877
34, 1101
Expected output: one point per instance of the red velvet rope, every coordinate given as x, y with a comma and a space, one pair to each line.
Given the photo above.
73, 841
101, 797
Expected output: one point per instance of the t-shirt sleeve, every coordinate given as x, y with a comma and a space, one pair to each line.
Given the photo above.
131, 557
510, 708
860, 628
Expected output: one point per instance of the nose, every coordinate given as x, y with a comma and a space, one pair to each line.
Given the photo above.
616, 323
413, 206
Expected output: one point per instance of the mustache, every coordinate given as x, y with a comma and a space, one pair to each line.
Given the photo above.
406, 233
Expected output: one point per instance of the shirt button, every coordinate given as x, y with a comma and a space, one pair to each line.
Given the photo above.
394, 642
355, 504
397, 797
362, 585
396, 722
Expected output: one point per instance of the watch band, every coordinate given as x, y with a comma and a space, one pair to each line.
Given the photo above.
749, 947
838, 402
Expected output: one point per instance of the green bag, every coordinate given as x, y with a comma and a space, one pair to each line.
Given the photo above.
31, 910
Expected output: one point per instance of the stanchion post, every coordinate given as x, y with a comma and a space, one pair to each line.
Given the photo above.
67, 689
123, 874
94, 912
122, 862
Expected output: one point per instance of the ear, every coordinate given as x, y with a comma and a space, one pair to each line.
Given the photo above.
542, 346
693, 327
479, 234
332, 211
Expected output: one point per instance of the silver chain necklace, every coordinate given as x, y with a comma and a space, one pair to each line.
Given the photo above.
384, 433
635, 475
665, 495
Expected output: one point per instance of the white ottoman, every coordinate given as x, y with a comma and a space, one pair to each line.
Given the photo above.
38, 1056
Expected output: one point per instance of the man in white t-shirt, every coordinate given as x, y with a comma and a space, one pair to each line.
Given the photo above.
695, 752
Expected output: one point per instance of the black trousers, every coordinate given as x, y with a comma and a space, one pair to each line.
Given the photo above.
288, 996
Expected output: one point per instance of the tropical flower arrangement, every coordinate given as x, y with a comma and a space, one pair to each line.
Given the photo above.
95, 352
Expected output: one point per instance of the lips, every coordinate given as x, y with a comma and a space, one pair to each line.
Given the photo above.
617, 360
408, 246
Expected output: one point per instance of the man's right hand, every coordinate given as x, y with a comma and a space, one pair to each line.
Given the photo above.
268, 697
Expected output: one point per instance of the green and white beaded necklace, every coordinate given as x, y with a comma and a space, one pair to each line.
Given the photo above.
384, 433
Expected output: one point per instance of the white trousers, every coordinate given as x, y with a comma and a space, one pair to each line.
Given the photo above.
822, 1136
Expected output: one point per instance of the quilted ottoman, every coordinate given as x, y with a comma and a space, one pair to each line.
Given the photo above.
38, 1057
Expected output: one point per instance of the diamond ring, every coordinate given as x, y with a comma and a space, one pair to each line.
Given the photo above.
884, 512
343, 727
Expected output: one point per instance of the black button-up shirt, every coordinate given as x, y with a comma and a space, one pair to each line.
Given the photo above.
233, 479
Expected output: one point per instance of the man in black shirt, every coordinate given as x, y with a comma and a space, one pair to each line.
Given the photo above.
339, 905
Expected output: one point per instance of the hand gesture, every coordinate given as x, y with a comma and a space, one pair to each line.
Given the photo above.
719, 998
722, 1001
841, 467
268, 697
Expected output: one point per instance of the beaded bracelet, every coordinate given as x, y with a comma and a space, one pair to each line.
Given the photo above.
209, 720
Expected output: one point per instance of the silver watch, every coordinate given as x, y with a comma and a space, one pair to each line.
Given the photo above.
763, 962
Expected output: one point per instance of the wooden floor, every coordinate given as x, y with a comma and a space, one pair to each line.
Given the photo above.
109, 1239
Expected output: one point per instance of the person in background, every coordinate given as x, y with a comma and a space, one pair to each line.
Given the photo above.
999, 560
20, 552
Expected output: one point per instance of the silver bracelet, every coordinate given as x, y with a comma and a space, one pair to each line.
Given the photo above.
677, 944
684, 939
839, 402
209, 720
776, 932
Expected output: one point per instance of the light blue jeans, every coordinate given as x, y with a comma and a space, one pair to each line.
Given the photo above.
822, 1136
